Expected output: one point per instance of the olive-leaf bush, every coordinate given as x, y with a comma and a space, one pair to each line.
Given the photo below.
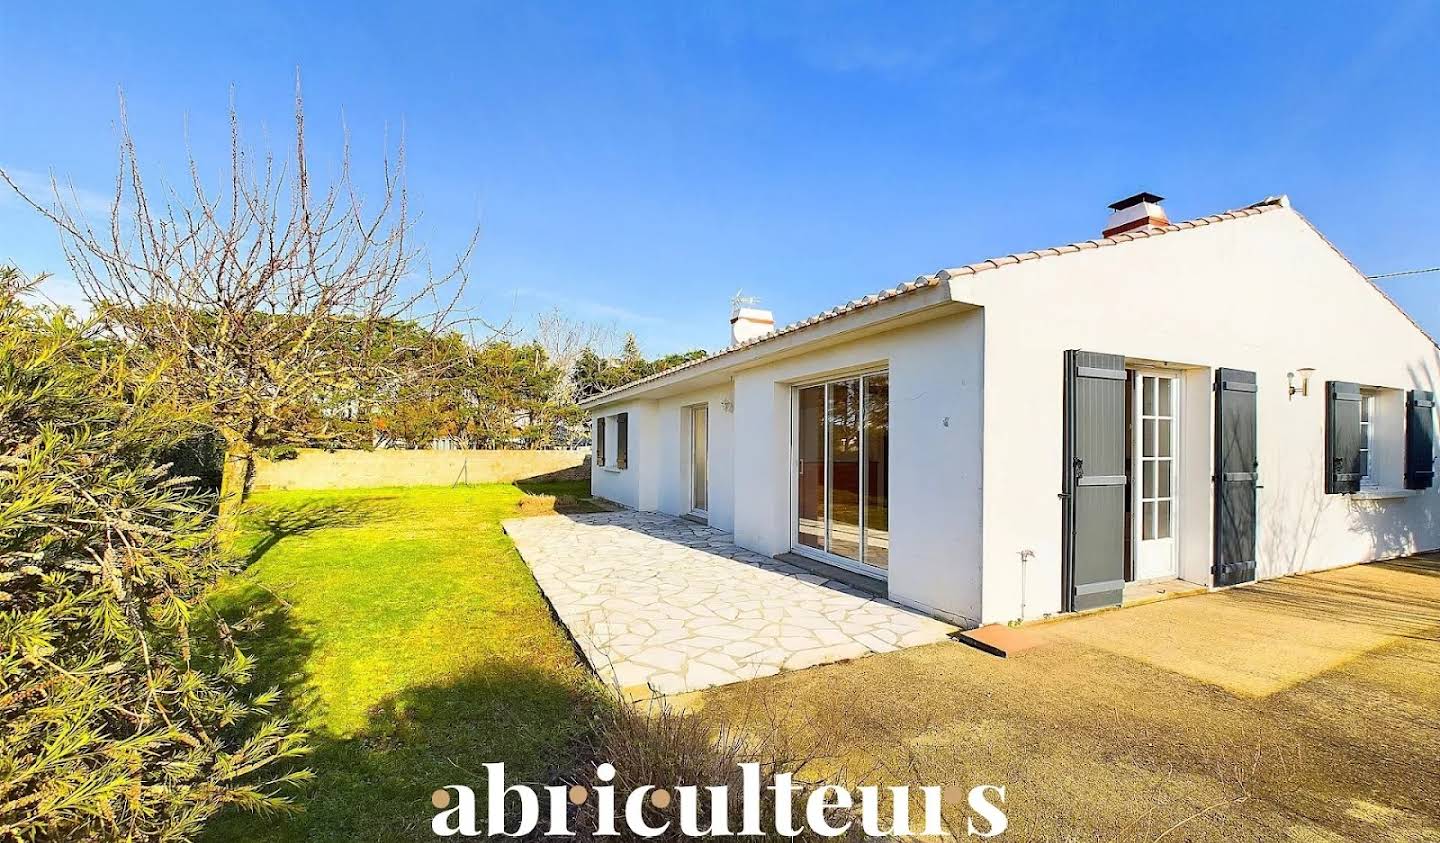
124, 707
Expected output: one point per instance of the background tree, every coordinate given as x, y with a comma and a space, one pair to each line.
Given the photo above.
499, 395
122, 701
670, 361
593, 374
631, 364
514, 388
565, 339
412, 412
261, 299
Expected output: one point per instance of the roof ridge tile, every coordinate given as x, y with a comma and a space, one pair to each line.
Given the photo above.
945, 275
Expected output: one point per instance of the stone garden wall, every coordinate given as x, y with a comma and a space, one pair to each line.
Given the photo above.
317, 469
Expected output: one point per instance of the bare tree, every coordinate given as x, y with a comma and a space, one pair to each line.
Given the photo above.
264, 299
565, 338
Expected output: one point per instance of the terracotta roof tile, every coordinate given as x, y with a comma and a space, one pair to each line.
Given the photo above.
926, 281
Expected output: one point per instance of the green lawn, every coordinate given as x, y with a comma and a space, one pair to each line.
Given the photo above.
413, 644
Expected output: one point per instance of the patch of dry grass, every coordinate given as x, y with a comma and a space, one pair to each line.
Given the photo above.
1093, 743
657, 744
563, 498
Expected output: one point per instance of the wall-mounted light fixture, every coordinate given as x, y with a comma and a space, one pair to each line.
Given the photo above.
1304, 387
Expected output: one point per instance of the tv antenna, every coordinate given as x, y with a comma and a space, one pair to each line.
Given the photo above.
740, 300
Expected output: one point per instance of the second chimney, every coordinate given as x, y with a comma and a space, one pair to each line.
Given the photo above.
1136, 212
747, 323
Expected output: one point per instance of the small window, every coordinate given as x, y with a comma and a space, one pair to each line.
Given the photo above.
622, 440
1365, 445
600, 441
1368, 422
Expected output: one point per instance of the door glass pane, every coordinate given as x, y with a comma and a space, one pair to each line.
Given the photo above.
1157, 446
1367, 416
844, 475
700, 469
810, 472
877, 471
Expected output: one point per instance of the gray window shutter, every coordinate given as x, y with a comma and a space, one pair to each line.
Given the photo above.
600, 441
1342, 438
1093, 482
1236, 475
1419, 439
622, 440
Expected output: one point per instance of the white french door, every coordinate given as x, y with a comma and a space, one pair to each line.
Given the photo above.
1156, 432
842, 472
700, 460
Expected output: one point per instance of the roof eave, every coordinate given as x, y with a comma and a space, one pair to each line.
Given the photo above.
837, 319
879, 314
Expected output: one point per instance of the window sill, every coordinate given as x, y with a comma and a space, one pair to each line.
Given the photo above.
1379, 494
610, 468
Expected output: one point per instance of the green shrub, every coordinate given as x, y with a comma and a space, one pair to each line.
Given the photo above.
123, 709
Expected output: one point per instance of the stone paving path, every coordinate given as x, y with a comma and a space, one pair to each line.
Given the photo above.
664, 605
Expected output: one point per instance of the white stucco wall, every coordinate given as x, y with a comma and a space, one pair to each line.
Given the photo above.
1262, 293
637, 485
935, 472
935, 447
657, 478
673, 414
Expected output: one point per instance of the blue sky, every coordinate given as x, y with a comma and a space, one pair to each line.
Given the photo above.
638, 163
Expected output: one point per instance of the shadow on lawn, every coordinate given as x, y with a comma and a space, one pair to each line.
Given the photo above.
281, 521
1400, 608
376, 784
546, 723
574, 488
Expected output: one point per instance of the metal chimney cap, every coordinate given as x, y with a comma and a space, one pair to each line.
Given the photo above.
1130, 201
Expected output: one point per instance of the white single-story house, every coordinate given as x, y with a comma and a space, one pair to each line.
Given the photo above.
1211, 402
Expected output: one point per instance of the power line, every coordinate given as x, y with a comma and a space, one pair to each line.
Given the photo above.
1406, 272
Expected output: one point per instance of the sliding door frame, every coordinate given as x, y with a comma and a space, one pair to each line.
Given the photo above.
690, 441
825, 556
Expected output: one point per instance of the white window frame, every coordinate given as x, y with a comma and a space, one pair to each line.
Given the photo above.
1368, 406
688, 415
1176, 415
622, 451
607, 443
882, 574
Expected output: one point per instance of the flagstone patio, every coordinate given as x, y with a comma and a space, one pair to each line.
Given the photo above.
665, 605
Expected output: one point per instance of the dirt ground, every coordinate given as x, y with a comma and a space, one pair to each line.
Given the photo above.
1301, 709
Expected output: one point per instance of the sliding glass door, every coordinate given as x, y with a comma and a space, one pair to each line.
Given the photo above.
700, 459
842, 470
810, 468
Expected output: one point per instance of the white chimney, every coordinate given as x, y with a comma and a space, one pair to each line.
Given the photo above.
1136, 212
748, 322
